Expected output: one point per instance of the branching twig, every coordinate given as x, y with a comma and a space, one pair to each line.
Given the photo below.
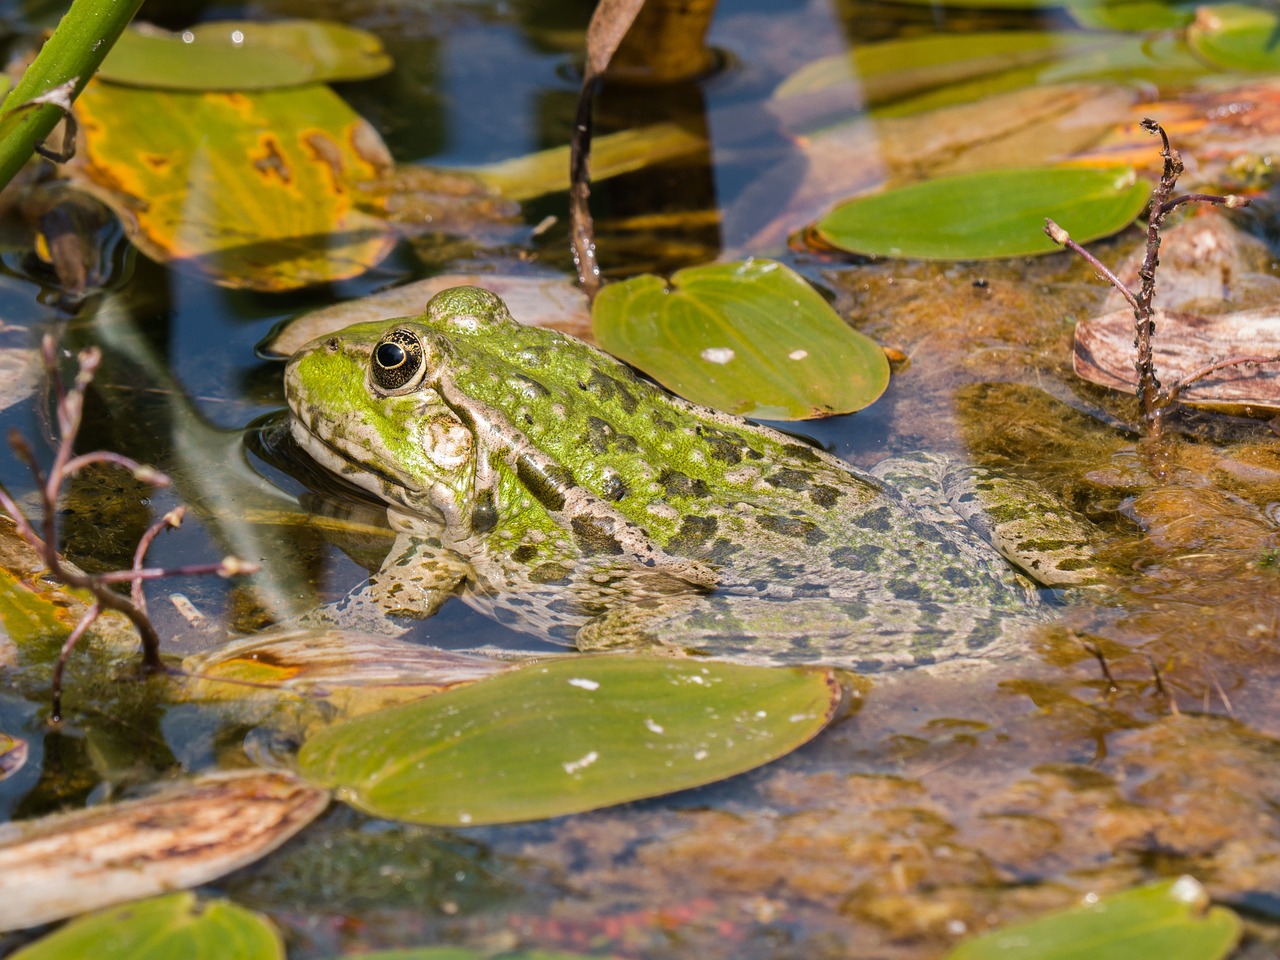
1156, 402
69, 408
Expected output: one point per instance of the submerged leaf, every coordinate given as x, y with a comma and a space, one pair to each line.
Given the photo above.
250, 190
244, 55
1184, 343
571, 735
752, 338
163, 928
61, 865
1171, 920
979, 216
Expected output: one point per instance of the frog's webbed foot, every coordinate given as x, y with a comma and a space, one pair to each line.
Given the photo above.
643, 624
417, 577
1029, 527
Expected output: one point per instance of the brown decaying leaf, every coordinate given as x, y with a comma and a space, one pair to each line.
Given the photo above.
189, 834
1184, 343
13, 755
609, 24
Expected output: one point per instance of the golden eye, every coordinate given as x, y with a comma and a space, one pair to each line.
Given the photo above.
397, 360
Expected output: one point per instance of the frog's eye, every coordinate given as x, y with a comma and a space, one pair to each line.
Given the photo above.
397, 360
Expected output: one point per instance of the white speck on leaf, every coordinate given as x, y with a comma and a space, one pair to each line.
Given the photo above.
1188, 890
717, 355
700, 755
800, 717
797, 354
653, 725
464, 818
584, 684
573, 766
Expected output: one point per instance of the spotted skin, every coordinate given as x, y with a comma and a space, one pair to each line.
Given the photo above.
553, 489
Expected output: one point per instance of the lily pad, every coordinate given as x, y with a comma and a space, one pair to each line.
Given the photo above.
1140, 16
462, 953
575, 734
256, 190
1171, 920
244, 55
13, 755
980, 216
1237, 37
752, 338
65, 864
1184, 343
161, 929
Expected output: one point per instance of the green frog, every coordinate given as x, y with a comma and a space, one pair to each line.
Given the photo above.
558, 492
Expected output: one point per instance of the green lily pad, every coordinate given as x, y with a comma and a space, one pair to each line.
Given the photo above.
571, 735
244, 55
257, 190
995, 213
750, 337
1237, 37
461, 953
1132, 15
161, 929
1171, 920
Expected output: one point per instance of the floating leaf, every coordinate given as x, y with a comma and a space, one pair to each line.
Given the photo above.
1183, 344
251, 190
13, 754
977, 216
461, 953
161, 929
1140, 16
1171, 920
896, 68
351, 672
62, 865
244, 55
554, 302
571, 735
752, 338
1237, 37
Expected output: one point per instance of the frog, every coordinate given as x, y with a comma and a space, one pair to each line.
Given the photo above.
557, 491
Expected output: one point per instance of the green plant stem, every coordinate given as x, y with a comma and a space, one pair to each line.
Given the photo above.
75, 50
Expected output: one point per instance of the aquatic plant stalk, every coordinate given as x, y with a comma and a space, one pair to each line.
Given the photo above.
71, 55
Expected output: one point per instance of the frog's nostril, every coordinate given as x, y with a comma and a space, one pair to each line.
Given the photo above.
332, 344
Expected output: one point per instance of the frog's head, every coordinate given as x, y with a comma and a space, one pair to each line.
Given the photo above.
366, 403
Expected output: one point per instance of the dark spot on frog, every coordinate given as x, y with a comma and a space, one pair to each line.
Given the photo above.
824, 496
694, 532
927, 532
805, 530
982, 635
678, 484
600, 438
550, 573
904, 589
803, 453
786, 571
723, 550
720, 445
957, 577
484, 518
547, 483
879, 519
594, 537
788, 479
524, 553
530, 389
610, 388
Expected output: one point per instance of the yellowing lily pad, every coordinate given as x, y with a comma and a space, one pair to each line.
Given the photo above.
244, 55
751, 338
256, 190
571, 735
1236, 37
978, 216
163, 928
1171, 920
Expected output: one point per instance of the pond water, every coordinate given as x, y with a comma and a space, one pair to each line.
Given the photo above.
1136, 741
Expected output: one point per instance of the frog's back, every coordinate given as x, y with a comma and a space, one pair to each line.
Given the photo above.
774, 516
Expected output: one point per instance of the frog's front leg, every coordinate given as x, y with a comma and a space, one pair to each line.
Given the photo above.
417, 577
